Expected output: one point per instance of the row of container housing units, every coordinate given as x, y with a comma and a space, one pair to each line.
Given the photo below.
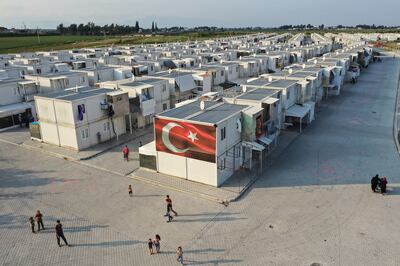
209, 138
84, 82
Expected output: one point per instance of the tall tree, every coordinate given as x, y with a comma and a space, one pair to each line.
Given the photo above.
73, 29
152, 26
81, 29
61, 29
137, 27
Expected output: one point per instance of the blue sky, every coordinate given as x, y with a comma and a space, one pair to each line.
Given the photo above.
234, 13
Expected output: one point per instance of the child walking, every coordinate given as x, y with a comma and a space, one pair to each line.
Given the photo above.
179, 255
150, 243
130, 191
32, 224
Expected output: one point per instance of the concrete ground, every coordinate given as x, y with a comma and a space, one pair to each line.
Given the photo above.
313, 205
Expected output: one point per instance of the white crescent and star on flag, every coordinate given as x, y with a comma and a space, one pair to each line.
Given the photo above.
192, 136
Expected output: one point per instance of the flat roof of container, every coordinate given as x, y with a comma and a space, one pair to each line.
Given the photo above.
257, 94
173, 74
258, 82
11, 80
71, 95
209, 115
282, 83
300, 74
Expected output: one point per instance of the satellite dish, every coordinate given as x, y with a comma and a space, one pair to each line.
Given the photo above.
202, 105
304, 66
270, 79
244, 89
315, 61
323, 58
290, 71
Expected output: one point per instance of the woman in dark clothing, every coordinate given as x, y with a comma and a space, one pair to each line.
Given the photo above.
157, 243
374, 182
60, 234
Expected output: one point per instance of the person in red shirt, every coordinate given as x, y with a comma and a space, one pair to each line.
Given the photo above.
383, 184
39, 220
168, 200
125, 151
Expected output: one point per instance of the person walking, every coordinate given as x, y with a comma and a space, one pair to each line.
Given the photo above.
130, 191
150, 243
179, 255
32, 224
39, 220
60, 234
125, 151
156, 243
168, 200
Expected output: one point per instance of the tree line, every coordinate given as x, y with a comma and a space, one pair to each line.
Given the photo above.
322, 26
113, 29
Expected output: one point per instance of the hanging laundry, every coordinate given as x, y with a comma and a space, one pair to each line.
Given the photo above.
80, 112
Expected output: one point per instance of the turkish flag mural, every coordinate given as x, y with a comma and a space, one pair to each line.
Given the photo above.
186, 139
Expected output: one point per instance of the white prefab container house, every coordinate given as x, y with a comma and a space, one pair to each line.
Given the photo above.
231, 70
81, 118
267, 124
293, 112
262, 62
306, 80
185, 85
200, 143
16, 102
98, 74
147, 97
59, 81
216, 72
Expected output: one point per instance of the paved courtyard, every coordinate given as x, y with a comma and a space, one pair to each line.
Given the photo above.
313, 205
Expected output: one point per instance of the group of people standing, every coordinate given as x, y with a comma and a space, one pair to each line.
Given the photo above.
379, 184
39, 221
155, 243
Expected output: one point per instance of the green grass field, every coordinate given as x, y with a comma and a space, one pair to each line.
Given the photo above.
30, 43
48, 43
